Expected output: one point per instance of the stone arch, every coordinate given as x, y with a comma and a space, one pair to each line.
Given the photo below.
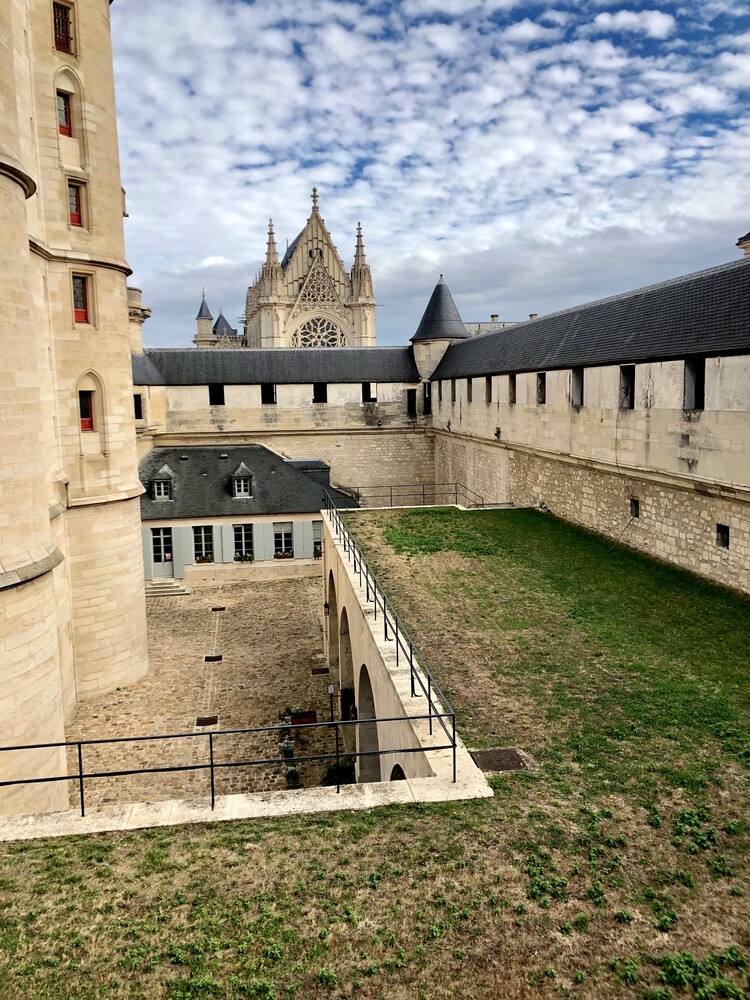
397, 774
332, 626
92, 382
368, 768
346, 669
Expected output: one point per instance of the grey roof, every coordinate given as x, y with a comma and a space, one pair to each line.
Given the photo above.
222, 327
441, 319
204, 312
202, 487
252, 366
704, 313
743, 239
290, 251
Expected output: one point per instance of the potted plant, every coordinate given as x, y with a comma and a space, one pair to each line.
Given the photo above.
286, 748
291, 774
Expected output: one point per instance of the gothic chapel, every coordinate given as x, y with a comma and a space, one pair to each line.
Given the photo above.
307, 300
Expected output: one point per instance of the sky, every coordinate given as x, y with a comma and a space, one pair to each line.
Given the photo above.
536, 155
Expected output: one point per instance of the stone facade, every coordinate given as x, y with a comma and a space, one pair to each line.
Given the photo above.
72, 609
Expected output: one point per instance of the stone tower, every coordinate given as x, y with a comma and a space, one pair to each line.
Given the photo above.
309, 299
72, 607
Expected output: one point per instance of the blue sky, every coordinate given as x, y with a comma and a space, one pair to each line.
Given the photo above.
537, 155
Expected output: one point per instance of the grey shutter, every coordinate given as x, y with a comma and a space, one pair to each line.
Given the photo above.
303, 539
227, 544
182, 549
148, 555
216, 532
263, 539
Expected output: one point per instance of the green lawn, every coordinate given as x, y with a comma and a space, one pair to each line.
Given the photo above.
617, 869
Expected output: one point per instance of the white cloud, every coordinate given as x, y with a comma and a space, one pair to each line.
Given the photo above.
653, 23
465, 136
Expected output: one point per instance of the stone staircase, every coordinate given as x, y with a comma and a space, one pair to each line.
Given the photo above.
165, 588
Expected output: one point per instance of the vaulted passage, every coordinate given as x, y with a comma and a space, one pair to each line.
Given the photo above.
367, 732
346, 665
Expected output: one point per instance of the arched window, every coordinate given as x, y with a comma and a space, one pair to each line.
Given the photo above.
91, 410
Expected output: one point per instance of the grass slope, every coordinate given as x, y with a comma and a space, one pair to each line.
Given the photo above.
618, 869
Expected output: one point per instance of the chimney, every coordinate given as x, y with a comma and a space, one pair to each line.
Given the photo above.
494, 317
533, 315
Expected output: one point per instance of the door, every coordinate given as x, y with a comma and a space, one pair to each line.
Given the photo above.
161, 547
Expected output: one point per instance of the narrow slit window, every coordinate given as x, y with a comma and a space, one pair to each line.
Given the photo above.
320, 392
75, 203
216, 394
138, 406
63, 18
469, 390
368, 393
411, 403
694, 396
268, 394
64, 118
80, 298
541, 388
86, 409
635, 507
440, 391
627, 387
317, 539
427, 398
453, 390
576, 387
722, 536
512, 390
488, 389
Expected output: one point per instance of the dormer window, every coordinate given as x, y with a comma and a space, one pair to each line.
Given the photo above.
162, 485
161, 489
242, 482
243, 486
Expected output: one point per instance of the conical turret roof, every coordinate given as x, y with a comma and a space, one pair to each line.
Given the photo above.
222, 327
204, 312
441, 319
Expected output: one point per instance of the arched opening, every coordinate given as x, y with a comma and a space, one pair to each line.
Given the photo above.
91, 413
346, 670
332, 626
368, 768
397, 774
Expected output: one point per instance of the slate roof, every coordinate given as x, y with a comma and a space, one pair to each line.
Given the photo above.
204, 312
202, 484
743, 239
222, 327
706, 313
441, 319
252, 366
290, 250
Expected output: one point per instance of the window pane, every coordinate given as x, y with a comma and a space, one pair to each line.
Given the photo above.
63, 112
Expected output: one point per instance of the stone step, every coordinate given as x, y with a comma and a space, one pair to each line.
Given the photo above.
166, 588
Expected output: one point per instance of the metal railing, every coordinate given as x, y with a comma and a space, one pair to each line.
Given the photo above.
394, 630
415, 495
212, 765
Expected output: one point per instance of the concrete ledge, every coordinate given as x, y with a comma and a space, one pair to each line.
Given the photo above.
178, 812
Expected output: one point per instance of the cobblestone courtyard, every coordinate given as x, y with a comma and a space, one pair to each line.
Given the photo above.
270, 637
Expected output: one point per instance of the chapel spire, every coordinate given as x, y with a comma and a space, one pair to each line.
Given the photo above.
361, 277
272, 257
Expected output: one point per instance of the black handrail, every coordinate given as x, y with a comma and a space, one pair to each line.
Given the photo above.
417, 494
213, 765
401, 636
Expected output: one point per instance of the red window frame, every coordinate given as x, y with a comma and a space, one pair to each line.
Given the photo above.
80, 298
86, 409
63, 113
75, 199
63, 18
